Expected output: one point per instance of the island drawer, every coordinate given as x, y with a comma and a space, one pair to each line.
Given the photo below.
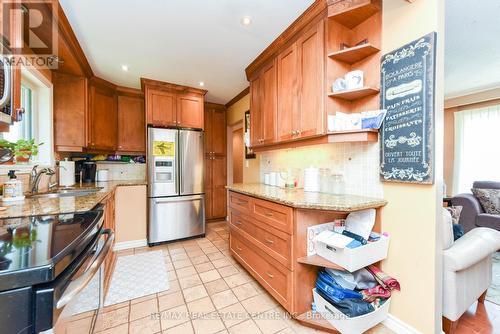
240, 202
273, 242
275, 278
276, 215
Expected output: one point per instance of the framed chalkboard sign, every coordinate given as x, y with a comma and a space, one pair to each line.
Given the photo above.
407, 93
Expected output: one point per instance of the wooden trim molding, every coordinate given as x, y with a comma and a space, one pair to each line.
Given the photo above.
238, 97
167, 86
319, 7
131, 92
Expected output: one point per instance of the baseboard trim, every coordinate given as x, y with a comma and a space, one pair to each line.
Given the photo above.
398, 326
130, 244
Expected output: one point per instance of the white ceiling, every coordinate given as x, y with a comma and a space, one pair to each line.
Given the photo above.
472, 56
179, 41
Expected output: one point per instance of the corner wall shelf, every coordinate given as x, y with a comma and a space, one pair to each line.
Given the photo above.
354, 94
353, 15
354, 54
316, 260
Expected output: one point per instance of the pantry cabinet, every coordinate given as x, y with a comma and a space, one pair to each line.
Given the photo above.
170, 105
103, 117
287, 94
131, 122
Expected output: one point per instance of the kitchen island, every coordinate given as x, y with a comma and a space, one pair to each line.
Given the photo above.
268, 236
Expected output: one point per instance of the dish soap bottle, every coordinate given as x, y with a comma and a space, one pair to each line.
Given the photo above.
13, 189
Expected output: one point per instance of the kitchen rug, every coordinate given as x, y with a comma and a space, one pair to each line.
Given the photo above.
493, 294
136, 276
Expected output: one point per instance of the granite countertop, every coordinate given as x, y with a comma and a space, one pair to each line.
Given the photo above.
298, 198
67, 204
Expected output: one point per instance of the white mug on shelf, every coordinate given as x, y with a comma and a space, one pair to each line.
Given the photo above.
354, 79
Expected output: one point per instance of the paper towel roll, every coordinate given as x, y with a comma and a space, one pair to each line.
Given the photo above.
66, 173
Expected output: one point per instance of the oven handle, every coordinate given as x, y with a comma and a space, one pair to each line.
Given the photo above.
76, 286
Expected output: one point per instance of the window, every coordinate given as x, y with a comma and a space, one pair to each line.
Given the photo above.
477, 149
25, 128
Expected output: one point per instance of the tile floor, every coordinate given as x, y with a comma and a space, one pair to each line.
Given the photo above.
209, 293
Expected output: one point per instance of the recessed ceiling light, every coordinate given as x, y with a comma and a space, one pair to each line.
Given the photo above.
246, 20
125, 68
202, 83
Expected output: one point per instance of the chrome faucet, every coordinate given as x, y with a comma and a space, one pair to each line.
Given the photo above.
35, 177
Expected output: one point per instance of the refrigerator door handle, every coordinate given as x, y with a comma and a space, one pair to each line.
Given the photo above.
176, 199
180, 170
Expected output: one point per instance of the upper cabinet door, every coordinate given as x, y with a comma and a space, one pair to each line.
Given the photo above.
256, 130
131, 124
268, 89
190, 111
310, 120
103, 119
70, 112
219, 132
162, 109
288, 92
208, 130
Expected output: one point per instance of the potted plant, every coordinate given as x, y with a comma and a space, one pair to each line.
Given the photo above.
25, 149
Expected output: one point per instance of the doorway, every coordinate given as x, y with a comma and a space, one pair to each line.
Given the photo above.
238, 155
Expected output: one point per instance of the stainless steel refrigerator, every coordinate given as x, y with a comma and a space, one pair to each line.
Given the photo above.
175, 184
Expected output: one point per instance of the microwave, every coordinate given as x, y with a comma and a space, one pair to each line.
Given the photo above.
5, 85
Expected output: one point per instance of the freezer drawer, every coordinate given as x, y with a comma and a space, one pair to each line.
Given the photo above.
172, 218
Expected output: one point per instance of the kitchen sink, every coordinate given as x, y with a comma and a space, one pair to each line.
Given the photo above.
66, 192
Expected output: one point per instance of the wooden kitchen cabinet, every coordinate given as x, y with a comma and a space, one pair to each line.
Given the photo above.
109, 223
256, 129
173, 105
70, 112
131, 122
103, 116
288, 93
215, 161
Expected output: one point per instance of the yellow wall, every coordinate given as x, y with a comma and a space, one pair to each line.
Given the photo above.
236, 113
130, 213
413, 214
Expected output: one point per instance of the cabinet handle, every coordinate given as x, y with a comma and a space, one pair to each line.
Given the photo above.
269, 274
237, 222
269, 241
294, 133
239, 201
268, 214
239, 248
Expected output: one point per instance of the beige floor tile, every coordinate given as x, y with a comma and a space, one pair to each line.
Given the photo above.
173, 317
185, 272
141, 310
179, 257
270, 322
257, 286
245, 291
83, 315
192, 248
208, 326
196, 253
223, 299
169, 301
210, 250
111, 319
202, 267
120, 329
227, 271
174, 287
190, 281
125, 252
80, 326
234, 314
215, 256
146, 325
142, 299
172, 276
246, 327
209, 276
185, 328
287, 330
169, 266
257, 304
194, 293
216, 286
201, 306
238, 279
221, 263
167, 257
176, 248
200, 259
115, 306
182, 264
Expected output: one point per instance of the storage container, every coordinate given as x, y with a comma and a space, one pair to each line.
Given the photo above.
353, 259
346, 325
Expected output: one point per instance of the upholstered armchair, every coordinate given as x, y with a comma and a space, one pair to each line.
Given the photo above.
473, 214
466, 269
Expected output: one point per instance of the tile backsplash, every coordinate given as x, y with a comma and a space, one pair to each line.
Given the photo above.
358, 162
124, 171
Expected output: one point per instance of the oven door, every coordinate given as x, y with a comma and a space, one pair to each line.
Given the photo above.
78, 290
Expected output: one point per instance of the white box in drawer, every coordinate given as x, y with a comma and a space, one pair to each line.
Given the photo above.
343, 323
353, 259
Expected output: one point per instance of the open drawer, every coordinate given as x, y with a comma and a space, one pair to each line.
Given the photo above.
353, 259
346, 325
